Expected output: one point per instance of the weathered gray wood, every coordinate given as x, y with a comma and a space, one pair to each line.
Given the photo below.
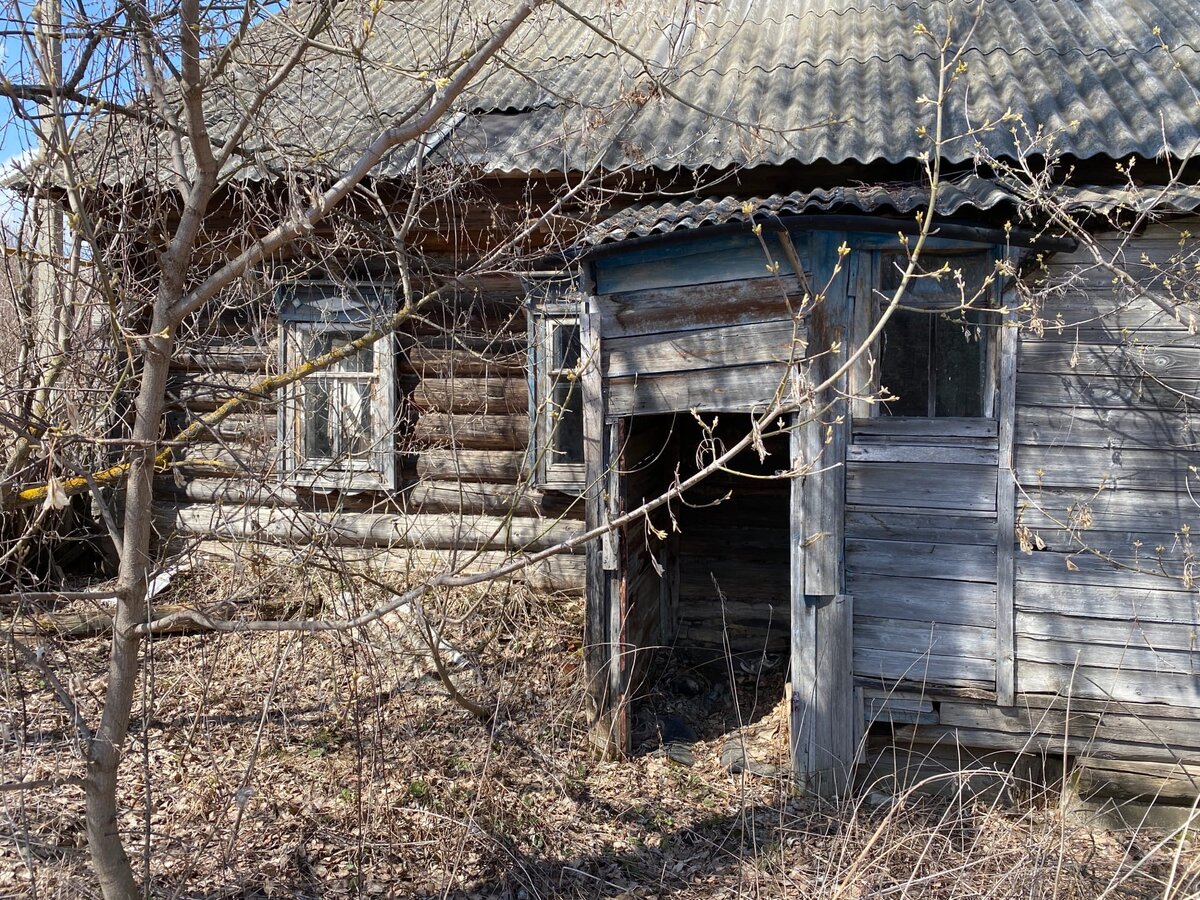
489, 499
1096, 683
920, 453
232, 357
1155, 470
713, 390
910, 559
1006, 398
499, 466
1176, 607
1118, 429
473, 432
1120, 633
952, 488
472, 395
1179, 358
616, 565
363, 529
923, 599
699, 307
1126, 546
1109, 510
1169, 783
1134, 657
1085, 568
944, 640
1100, 392
563, 573
1054, 745
927, 527
897, 707
801, 720
727, 258
912, 667
462, 362
776, 341
943, 431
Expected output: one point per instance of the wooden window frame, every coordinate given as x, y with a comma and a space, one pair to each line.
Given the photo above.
551, 303
989, 344
322, 307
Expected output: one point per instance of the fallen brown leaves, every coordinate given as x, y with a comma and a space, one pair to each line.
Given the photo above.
300, 766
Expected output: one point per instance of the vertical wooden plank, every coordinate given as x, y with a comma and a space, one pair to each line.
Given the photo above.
1006, 516
832, 756
864, 375
804, 638
597, 641
617, 580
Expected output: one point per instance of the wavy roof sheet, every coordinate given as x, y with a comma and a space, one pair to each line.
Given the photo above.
717, 83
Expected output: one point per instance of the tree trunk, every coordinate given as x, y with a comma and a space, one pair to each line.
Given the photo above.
109, 859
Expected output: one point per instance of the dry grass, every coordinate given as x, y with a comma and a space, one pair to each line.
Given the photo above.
306, 767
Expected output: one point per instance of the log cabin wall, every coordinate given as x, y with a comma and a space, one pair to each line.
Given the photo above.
462, 431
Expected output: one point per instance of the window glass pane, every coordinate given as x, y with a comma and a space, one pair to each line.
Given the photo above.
904, 363
958, 364
565, 345
567, 441
354, 419
318, 343
318, 436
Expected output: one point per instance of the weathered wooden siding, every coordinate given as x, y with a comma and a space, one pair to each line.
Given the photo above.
462, 431
921, 550
1106, 602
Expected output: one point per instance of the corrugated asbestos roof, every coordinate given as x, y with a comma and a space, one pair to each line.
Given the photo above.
662, 218
718, 83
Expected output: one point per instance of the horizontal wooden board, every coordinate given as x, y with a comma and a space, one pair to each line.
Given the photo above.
1100, 392
1051, 745
1178, 358
923, 599
730, 257
1161, 782
472, 432
714, 390
1067, 598
1133, 547
364, 529
897, 525
1095, 683
889, 667
1151, 470
1119, 429
942, 431
921, 453
1118, 633
1086, 568
949, 488
1133, 658
699, 307
472, 395
776, 341
940, 639
1109, 509
909, 559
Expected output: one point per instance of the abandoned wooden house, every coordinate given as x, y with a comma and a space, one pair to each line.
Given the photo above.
976, 530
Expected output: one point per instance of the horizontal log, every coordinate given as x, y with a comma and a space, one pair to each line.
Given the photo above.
910, 559
489, 499
923, 599
497, 466
950, 488
472, 395
563, 573
222, 358
1067, 598
364, 529
462, 363
472, 432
